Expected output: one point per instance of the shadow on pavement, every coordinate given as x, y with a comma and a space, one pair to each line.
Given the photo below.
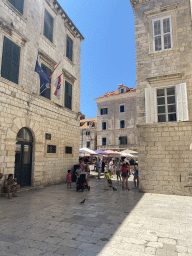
52, 221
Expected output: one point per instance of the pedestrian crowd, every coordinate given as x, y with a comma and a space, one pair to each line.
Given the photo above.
109, 166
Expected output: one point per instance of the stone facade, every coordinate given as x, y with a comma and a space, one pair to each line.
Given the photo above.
165, 159
20, 105
112, 102
88, 133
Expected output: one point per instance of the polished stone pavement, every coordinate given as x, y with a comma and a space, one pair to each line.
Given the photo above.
51, 222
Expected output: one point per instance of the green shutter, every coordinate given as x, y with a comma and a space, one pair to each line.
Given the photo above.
48, 26
68, 95
6, 58
69, 48
18, 4
10, 61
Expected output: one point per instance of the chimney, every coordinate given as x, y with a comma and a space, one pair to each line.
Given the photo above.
82, 117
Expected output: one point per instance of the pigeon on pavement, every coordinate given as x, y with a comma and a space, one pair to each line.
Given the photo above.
83, 201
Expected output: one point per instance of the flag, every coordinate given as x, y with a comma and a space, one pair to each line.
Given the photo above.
50, 75
57, 84
44, 80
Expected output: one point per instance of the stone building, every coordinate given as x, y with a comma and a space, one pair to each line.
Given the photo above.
88, 133
116, 119
163, 37
39, 135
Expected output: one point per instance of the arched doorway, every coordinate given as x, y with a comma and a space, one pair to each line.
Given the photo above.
23, 157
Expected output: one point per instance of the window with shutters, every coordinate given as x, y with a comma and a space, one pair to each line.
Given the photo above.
123, 140
18, 4
104, 125
166, 104
88, 144
10, 61
48, 26
122, 124
46, 92
87, 133
104, 141
69, 48
104, 111
68, 95
162, 34
122, 108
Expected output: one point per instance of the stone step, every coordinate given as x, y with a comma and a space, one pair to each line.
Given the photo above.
24, 190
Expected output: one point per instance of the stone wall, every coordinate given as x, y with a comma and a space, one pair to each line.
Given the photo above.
20, 105
164, 149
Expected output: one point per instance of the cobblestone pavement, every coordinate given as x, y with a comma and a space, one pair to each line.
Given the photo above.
51, 222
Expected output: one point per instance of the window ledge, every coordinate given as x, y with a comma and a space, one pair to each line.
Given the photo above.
166, 77
11, 31
161, 9
71, 62
48, 41
169, 124
152, 54
9, 5
6, 81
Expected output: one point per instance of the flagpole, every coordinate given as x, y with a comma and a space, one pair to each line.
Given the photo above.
54, 70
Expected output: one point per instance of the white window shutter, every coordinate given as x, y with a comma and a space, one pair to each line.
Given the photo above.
150, 105
181, 102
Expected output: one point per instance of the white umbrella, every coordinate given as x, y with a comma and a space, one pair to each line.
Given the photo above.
127, 154
128, 151
87, 151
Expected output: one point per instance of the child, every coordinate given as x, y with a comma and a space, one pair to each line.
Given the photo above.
108, 177
69, 179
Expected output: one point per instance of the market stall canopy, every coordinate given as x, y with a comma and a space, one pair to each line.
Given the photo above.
129, 151
84, 154
87, 151
127, 155
112, 152
101, 152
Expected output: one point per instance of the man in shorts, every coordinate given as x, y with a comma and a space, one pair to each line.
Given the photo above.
99, 163
132, 165
118, 169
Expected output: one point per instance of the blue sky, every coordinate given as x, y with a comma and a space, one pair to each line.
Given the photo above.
108, 51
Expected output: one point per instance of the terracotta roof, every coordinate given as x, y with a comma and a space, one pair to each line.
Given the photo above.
84, 125
117, 92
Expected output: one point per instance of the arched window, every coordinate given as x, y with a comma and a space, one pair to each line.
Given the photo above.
24, 135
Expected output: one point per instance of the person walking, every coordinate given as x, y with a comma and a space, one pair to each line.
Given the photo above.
103, 165
69, 175
108, 177
99, 168
132, 164
118, 169
124, 173
136, 176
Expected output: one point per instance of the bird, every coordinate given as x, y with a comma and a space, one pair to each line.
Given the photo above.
83, 201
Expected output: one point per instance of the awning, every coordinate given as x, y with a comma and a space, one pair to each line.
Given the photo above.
87, 151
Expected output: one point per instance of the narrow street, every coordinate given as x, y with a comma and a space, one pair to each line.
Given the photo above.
52, 222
